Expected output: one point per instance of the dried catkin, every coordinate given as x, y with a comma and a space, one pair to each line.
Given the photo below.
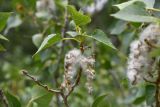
140, 64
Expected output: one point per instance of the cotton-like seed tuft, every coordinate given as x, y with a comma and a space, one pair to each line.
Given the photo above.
140, 63
151, 33
45, 8
74, 60
95, 6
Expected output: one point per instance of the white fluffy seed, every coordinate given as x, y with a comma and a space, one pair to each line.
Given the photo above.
139, 62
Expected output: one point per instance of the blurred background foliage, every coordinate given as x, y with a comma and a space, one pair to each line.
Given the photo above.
25, 30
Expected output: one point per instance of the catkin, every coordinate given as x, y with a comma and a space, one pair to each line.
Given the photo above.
140, 64
74, 60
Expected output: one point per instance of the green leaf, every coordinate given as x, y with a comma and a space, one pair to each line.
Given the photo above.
80, 38
100, 36
3, 19
78, 17
119, 27
37, 39
41, 101
49, 41
125, 4
98, 100
12, 22
139, 96
148, 3
72, 24
40, 97
150, 93
2, 48
12, 100
72, 33
3, 38
136, 13
139, 100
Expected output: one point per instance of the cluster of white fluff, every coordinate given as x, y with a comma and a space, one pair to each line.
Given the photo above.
45, 8
87, 64
96, 6
74, 61
140, 64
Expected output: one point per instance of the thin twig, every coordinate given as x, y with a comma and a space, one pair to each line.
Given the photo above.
78, 76
40, 84
152, 82
157, 95
151, 44
76, 82
157, 83
56, 74
64, 99
3, 98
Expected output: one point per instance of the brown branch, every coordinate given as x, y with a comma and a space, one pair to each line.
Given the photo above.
76, 82
3, 98
78, 75
46, 87
40, 84
150, 44
64, 28
146, 80
64, 99
56, 74
157, 84
157, 95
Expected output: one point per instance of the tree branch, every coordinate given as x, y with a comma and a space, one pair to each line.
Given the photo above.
151, 44
40, 84
64, 99
56, 74
157, 94
76, 82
